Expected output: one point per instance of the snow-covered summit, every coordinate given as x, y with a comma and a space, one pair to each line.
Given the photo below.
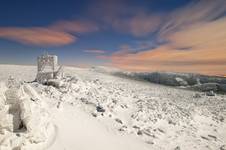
98, 110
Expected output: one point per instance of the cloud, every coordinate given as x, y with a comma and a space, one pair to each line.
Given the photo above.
139, 25
126, 17
57, 34
164, 58
195, 12
75, 26
36, 36
143, 24
95, 51
195, 42
203, 35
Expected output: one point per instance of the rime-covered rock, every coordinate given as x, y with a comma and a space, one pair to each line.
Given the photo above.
210, 93
18, 112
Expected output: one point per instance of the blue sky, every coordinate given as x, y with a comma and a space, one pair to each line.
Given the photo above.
119, 33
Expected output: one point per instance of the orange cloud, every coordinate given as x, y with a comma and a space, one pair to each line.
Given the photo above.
57, 34
94, 51
165, 58
36, 36
196, 42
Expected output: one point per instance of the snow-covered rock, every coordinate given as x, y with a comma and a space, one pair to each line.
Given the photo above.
22, 118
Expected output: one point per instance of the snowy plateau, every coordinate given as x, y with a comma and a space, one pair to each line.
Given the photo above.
94, 109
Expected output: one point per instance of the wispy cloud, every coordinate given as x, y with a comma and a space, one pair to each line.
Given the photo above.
36, 36
75, 26
139, 25
199, 26
95, 51
123, 17
195, 12
60, 33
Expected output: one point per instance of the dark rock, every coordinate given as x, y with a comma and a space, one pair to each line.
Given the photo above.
223, 147
197, 95
114, 101
100, 109
58, 104
136, 127
94, 114
160, 130
159, 116
139, 132
146, 132
171, 122
177, 148
121, 129
150, 142
205, 138
212, 136
118, 120
221, 119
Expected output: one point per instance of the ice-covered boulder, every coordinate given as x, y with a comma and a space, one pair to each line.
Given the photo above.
22, 111
6, 120
35, 120
55, 83
181, 81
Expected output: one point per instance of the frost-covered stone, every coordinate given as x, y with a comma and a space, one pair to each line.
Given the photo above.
181, 81
210, 93
20, 113
6, 119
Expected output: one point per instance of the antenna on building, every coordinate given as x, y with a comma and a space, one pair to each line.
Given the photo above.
45, 53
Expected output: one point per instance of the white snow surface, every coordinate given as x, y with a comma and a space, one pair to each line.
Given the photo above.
132, 115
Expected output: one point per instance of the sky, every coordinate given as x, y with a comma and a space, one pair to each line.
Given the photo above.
133, 35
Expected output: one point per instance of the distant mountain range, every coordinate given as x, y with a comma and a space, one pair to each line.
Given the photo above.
188, 80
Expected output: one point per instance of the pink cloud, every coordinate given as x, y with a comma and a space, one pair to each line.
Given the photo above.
194, 27
36, 36
57, 34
